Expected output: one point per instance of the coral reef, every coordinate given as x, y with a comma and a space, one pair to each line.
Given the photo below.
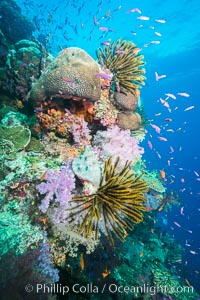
122, 59
73, 182
67, 77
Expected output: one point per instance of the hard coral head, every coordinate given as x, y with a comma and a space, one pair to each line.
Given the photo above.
71, 75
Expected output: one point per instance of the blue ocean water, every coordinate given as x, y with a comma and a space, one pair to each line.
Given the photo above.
168, 34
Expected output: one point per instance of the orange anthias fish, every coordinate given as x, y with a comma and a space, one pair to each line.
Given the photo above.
163, 174
137, 93
105, 273
82, 262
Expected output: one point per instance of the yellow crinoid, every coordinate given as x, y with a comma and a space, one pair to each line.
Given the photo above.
116, 205
122, 59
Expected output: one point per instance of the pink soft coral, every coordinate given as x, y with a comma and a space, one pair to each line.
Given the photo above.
117, 142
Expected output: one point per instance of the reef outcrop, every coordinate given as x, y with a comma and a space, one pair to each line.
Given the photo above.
72, 75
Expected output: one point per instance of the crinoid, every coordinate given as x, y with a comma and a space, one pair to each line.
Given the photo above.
117, 203
122, 59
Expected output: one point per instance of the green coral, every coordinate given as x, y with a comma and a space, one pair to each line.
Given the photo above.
16, 231
151, 178
153, 181
18, 135
13, 118
35, 145
169, 285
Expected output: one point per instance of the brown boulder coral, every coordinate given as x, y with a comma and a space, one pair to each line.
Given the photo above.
130, 121
126, 101
71, 75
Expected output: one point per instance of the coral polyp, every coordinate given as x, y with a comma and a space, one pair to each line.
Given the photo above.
117, 204
122, 59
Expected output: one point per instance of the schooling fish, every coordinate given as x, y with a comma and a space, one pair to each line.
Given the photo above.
134, 10
158, 33
171, 96
183, 94
144, 18
162, 139
161, 21
189, 108
157, 129
150, 145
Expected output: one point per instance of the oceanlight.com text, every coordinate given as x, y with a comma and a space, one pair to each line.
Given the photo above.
111, 288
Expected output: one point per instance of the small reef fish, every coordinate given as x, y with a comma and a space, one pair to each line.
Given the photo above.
150, 145
95, 21
104, 28
158, 33
117, 8
177, 224
104, 76
120, 52
183, 94
161, 138
163, 174
187, 281
134, 10
157, 129
144, 18
189, 108
159, 156
154, 42
161, 21
105, 43
141, 253
168, 120
82, 262
171, 96
165, 103
193, 252
105, 273
136, 50
158, 77
65, 79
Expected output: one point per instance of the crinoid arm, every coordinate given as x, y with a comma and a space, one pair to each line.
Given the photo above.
116, 205
122, 59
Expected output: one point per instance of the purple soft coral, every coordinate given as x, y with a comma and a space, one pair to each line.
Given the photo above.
58, 187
